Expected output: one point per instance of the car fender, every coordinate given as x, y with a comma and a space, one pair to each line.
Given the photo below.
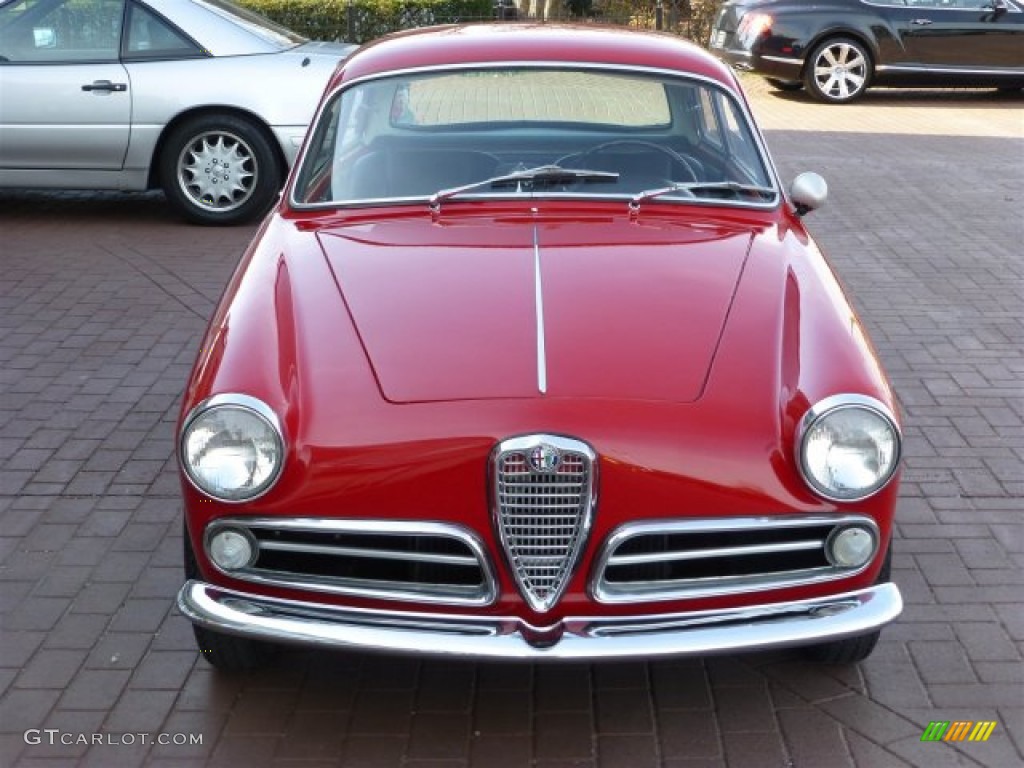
269, 89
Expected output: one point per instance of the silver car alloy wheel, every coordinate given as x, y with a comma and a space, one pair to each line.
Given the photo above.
218, 171
840, 71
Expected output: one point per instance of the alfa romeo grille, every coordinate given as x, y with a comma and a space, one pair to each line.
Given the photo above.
673, 559
386, 559
544, 495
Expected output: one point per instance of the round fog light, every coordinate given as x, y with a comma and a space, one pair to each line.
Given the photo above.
851, 547
230, 549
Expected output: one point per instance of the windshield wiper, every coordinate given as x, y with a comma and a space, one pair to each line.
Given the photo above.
527, 179
694, 188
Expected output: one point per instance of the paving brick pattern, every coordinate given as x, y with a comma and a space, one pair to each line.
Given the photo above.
103, 299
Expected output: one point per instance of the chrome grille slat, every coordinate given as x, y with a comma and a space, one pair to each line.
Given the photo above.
702, 557
383, 559
542, 514
384, 554
699, 554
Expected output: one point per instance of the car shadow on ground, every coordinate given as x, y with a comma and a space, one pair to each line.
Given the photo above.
962, 98
90, 207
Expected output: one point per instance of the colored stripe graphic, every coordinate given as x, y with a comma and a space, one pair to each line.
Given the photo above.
958, 730
982, 731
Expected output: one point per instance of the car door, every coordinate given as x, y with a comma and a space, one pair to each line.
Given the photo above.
965, 34
65, 98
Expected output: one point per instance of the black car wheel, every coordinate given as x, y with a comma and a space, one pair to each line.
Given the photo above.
838, 71
220, 169
851, 650
226, 653
784, 85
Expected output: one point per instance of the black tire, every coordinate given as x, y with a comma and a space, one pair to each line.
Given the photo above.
226, 653
838, 71
851, 650
784, 85
220, 170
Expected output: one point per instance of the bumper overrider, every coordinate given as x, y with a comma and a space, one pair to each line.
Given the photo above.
774, 625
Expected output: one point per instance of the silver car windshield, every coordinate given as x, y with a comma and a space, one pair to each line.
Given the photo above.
463, 133
258, 25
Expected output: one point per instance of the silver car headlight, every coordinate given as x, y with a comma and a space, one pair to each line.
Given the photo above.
232, 448
848, 447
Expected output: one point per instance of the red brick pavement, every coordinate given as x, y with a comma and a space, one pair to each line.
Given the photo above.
103, 298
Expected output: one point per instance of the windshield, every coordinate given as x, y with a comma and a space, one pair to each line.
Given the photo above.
573, 132
257, 24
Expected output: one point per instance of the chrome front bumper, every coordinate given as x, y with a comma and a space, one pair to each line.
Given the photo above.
776, 625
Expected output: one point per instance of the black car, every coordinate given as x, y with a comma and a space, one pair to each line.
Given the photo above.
836, 49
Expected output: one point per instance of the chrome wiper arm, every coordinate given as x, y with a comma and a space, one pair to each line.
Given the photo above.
551, 174
696, 187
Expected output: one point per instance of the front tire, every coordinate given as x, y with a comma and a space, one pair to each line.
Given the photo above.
838, 71
226, 653
219, 170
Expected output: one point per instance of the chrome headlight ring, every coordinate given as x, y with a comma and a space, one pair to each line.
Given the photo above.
848, 447
231, 448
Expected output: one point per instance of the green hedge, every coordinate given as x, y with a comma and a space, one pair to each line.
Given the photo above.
329, 19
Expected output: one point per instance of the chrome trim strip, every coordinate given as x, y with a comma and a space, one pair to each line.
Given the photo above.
773, 625
741, 52
378, 554
925, 69
538, 298
605, 592
506, 197
441, 594
836, 403
704, 554
783, 60
245, 402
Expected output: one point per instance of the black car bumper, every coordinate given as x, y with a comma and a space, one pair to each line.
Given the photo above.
779, 67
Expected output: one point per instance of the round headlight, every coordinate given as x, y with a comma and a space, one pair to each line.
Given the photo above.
849, 447
231, 448
230, 549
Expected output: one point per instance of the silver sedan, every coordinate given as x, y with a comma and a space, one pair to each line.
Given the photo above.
200, 97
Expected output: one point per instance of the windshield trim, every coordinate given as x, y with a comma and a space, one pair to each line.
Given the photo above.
338, 90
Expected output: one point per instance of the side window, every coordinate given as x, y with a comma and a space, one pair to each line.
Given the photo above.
740, 141
150, 37
61, 31
741, 146
709, 127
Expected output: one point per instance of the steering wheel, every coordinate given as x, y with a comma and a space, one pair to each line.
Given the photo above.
676, 158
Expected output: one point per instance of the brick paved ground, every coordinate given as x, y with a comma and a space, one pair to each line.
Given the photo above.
103, 298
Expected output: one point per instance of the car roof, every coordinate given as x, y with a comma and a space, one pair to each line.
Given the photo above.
459, 45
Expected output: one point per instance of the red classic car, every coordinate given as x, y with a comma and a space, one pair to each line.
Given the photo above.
536, 360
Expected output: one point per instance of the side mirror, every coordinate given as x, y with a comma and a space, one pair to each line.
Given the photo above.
808, 192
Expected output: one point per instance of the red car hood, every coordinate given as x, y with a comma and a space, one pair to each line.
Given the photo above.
449, 310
